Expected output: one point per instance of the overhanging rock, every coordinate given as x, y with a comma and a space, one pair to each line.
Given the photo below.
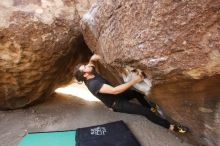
176, 43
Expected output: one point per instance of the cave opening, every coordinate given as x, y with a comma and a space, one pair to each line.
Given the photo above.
77, 90
81, 55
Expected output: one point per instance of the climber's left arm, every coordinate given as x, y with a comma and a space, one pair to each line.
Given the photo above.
94, 59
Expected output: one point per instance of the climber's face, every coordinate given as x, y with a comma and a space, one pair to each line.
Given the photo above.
87, 69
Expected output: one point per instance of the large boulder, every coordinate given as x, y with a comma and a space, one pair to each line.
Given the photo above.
39, 48
176, 43
83, 6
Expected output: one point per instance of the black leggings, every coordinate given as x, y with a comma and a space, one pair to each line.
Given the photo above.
124, 105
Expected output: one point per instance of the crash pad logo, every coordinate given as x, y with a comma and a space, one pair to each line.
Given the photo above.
98, 131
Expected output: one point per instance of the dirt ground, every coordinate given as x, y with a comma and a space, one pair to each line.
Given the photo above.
64, 112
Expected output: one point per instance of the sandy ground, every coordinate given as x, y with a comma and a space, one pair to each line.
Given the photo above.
64, 112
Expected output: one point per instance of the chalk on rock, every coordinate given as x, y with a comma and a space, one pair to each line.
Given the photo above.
143, 87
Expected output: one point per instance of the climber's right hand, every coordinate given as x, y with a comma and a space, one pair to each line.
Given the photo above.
137, 78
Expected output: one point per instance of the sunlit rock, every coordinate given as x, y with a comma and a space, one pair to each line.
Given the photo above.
176, 44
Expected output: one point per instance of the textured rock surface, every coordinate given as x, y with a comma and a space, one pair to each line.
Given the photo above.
176, 43
194, 103
84, 5
38, 48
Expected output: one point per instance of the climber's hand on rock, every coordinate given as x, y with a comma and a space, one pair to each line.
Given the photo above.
137, 78
95, 57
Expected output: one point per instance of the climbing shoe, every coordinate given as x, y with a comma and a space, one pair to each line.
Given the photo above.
153, 109
180, 128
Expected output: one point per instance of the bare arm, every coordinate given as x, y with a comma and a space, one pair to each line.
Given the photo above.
120, 88
94, 59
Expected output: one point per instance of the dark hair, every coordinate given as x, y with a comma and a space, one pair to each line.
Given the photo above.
78, 74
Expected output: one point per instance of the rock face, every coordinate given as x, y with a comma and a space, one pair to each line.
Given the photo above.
177, 44
83, 6
195, 104
38, 47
